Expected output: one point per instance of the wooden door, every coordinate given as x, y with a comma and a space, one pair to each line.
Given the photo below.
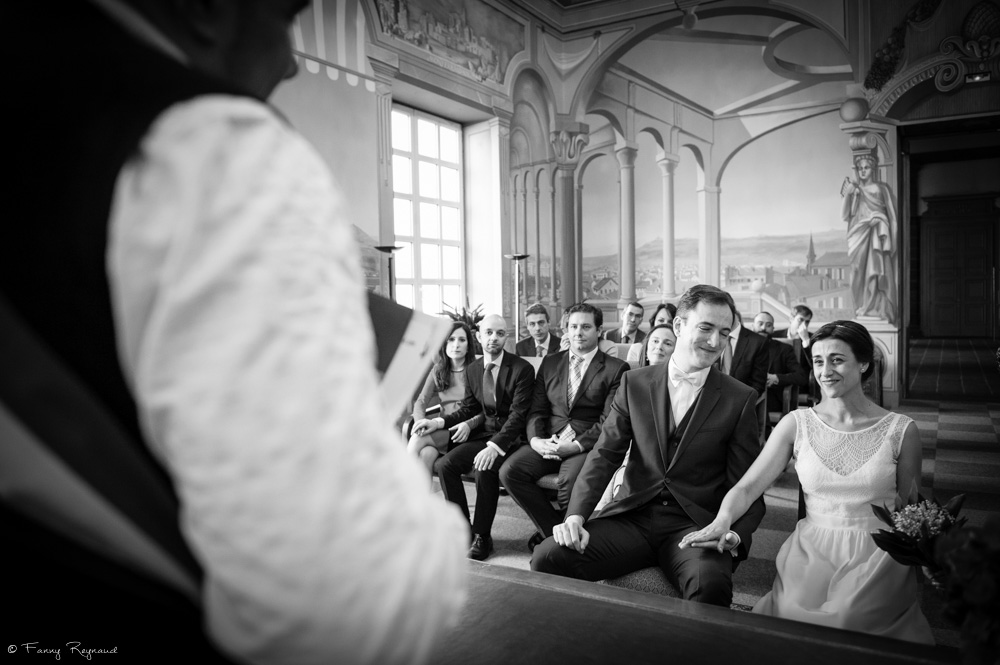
957, 278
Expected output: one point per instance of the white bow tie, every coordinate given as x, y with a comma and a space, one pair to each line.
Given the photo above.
694, 378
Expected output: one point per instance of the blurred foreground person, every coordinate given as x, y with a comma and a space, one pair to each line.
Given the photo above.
206, 471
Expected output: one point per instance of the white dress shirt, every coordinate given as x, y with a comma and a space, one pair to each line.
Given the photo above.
683, 393
244, 332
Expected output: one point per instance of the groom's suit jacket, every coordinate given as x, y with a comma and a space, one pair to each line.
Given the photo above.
717, 447
503, 425
550, 409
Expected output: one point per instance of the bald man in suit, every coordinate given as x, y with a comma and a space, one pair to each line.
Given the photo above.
499, 387
693, 434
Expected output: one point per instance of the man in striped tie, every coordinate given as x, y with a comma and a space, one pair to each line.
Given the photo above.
574, 390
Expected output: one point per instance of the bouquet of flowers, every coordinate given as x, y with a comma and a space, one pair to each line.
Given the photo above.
914, 530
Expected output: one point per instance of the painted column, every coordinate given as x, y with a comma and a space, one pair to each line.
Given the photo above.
567, 144
626, 259
521, 239
578, 237
538, 237
668, 286
710, 237
385, 67
552, 230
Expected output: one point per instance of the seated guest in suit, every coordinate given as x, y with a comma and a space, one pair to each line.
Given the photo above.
500, 386
797, 334
629, 333
798, 330
663, 314
693, 432
745, 357
540, 341
783, 368
446, 382
573, 392
610, 348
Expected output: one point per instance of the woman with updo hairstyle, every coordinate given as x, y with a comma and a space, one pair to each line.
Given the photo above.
446, 384
850, 454
663, 315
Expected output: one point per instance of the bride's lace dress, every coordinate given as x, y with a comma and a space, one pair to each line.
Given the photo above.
830, 571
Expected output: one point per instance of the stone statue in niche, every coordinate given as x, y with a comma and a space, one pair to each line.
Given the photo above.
870, 212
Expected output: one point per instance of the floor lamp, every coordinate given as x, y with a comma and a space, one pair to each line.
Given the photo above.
517, 258
389, 249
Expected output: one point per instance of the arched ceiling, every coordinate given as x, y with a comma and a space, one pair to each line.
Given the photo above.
728, 57
735, 63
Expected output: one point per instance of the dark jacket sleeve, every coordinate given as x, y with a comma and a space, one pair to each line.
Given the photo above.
606, 457
758, 379
523, 380
744, 447
540, 412
588, 438
791, 371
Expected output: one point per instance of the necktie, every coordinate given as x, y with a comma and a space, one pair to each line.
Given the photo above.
575, 376
624, 339
539, 351
489, 388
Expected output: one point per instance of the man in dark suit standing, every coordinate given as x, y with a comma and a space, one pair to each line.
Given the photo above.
783, 368
500, 386
629, 332
540, 341
573, 394
693, 434
745, 357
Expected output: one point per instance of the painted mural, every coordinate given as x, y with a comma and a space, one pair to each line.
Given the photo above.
475, 38
784, 240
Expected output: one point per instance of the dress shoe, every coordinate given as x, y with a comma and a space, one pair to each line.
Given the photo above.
482, 547
535, 540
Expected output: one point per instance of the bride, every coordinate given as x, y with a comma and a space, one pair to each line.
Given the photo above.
849, 453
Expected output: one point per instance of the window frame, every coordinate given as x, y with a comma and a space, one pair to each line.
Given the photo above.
418, 237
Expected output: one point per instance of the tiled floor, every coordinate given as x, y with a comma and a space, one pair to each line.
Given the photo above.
963, 369
961, 456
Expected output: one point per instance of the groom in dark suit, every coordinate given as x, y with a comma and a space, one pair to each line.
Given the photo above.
693, 432
573, 394
499, 387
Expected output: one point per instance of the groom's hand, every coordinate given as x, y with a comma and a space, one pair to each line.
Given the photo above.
711, 537
571, 533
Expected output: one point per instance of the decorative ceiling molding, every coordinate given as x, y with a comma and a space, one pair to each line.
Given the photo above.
970, 59
565, 63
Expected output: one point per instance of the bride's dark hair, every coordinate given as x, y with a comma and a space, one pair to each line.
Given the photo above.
855, 336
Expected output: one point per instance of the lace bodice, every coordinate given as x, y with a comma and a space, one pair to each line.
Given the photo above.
843, 473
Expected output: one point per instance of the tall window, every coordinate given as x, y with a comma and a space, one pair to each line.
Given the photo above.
427, 200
